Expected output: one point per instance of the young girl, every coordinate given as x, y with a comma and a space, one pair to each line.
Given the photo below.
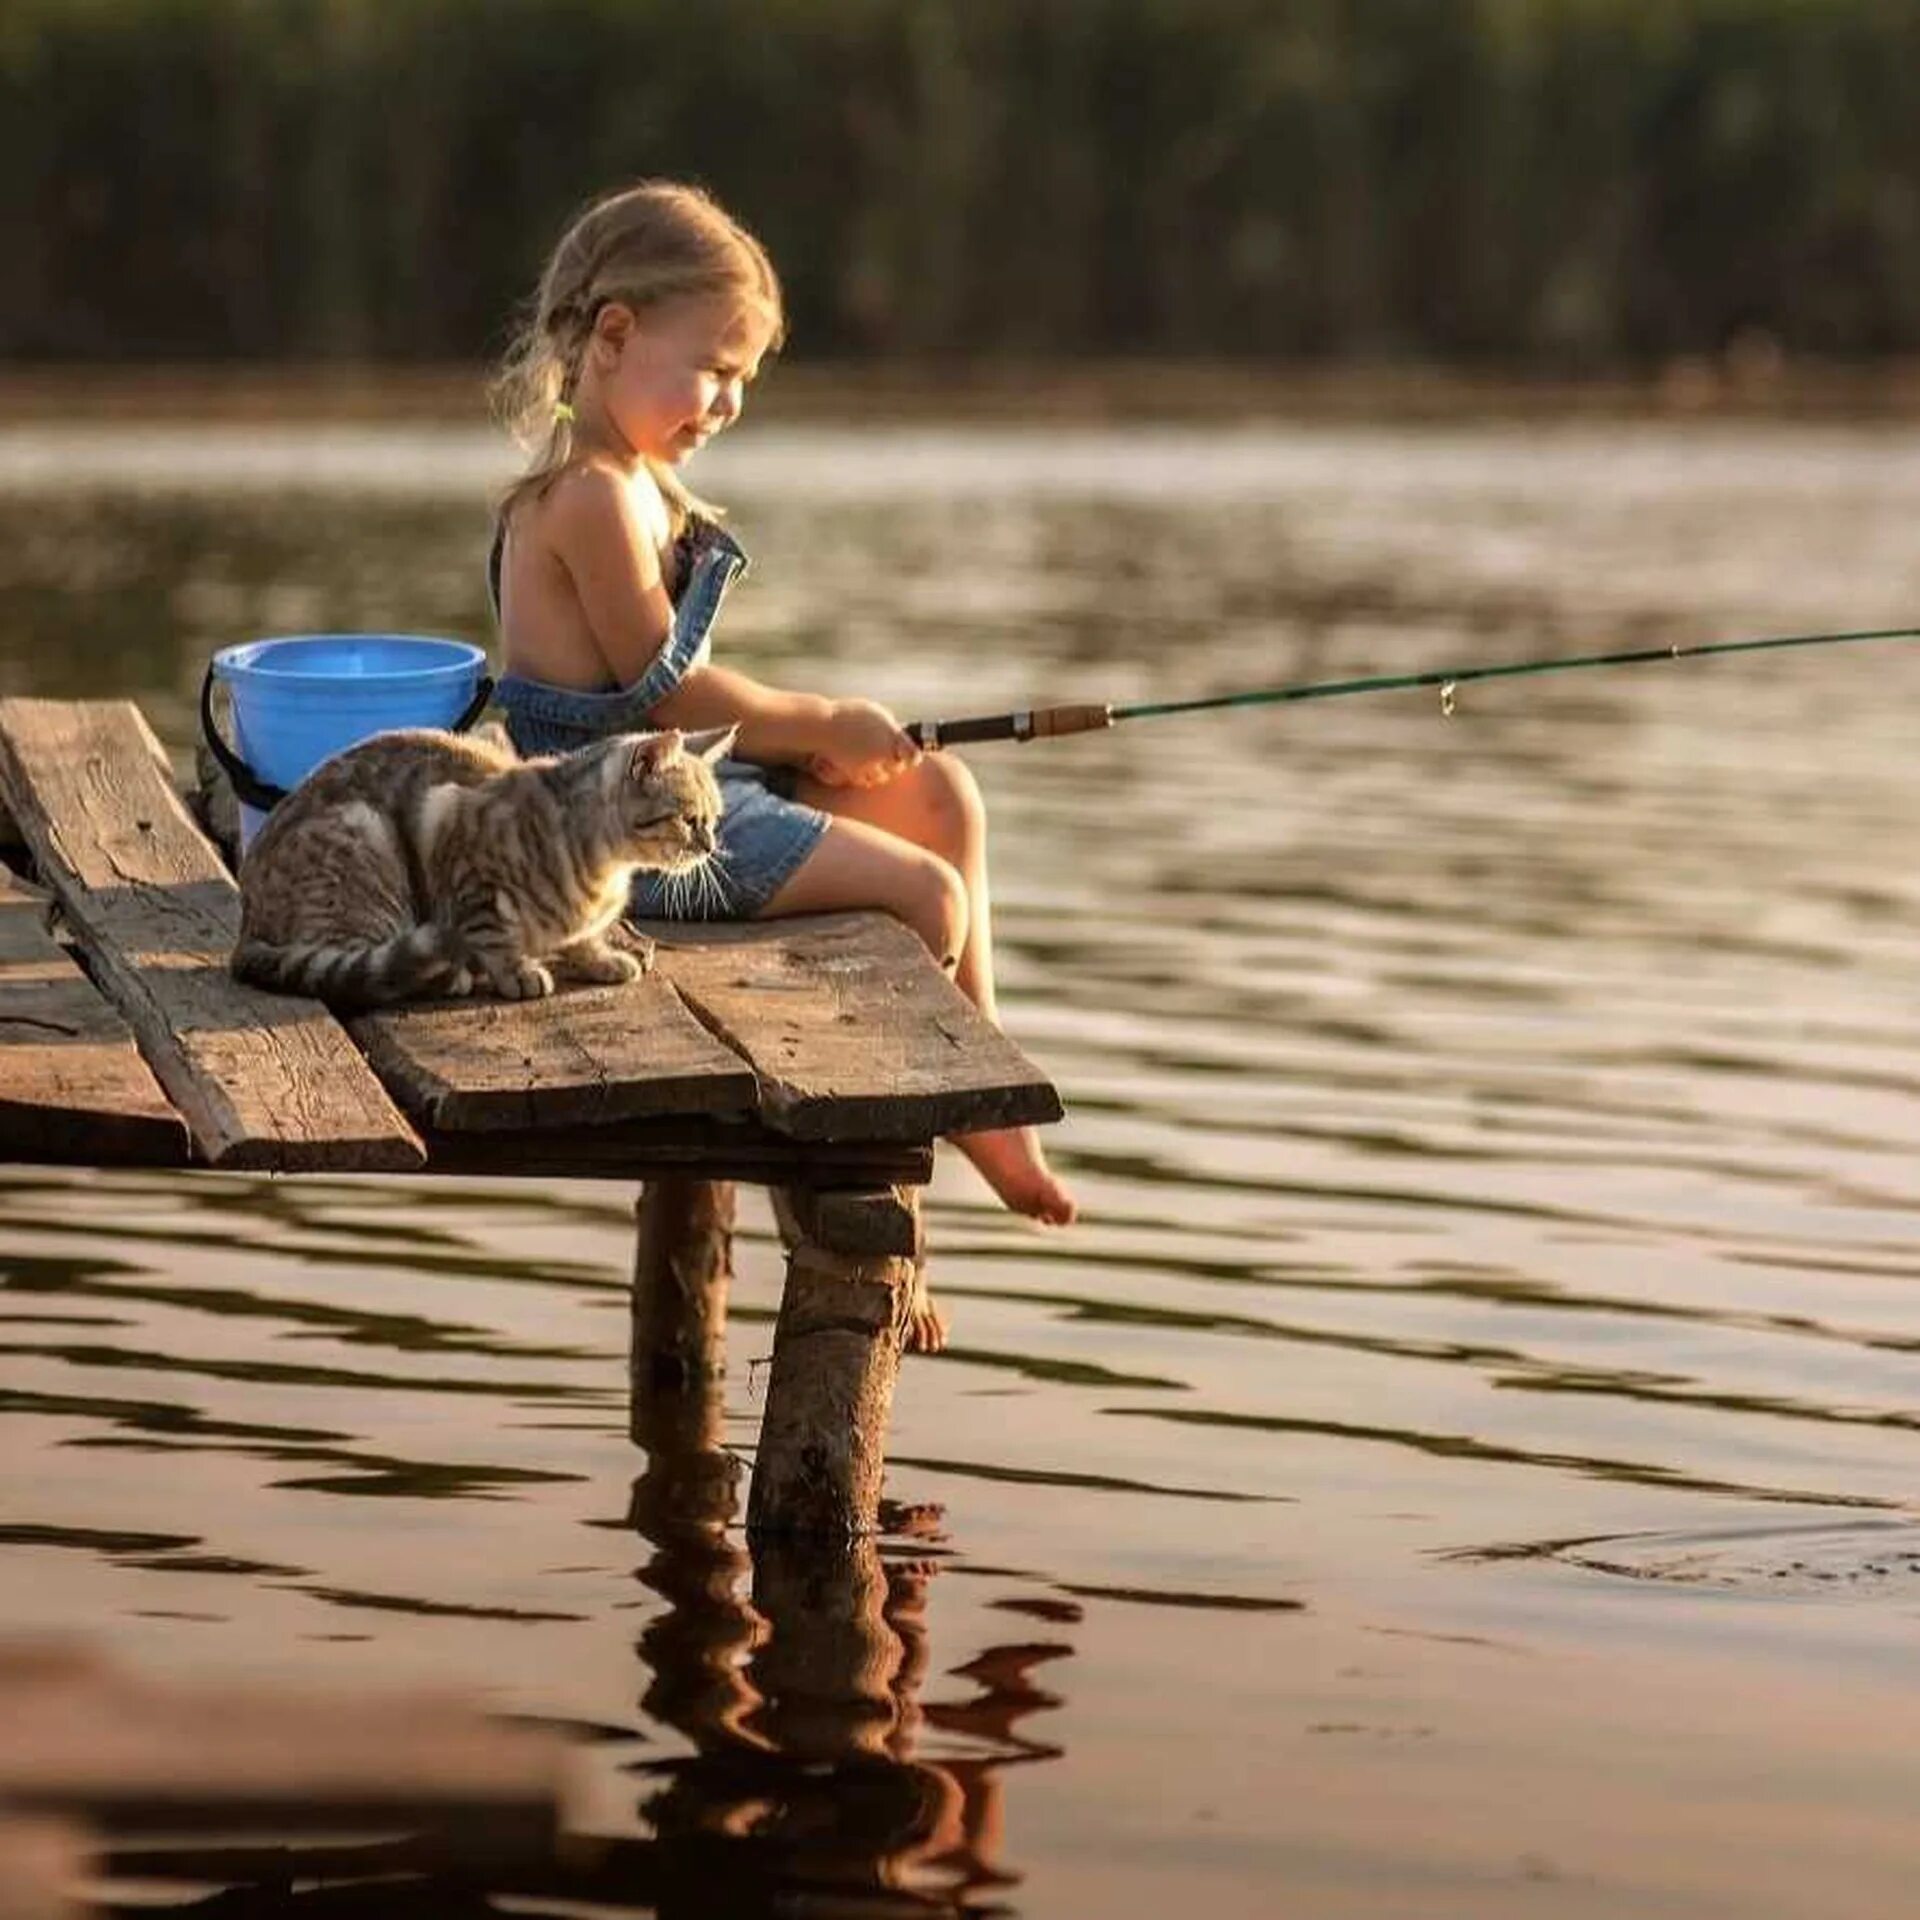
652, 319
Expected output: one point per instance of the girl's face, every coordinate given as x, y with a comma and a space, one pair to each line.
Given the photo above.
676, 374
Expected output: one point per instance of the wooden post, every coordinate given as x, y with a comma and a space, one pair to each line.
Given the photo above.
871, 1220
836, 1352
682, 1260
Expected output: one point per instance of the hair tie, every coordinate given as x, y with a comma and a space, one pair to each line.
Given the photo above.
563, 411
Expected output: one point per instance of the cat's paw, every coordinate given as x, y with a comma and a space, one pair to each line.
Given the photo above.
527, 981
604, 967
624, 937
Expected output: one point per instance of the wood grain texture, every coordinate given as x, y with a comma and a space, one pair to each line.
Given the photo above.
263, 1080
682, 1264
588, 1056
863, 1224
72, 1084
852, 1029
836, 1357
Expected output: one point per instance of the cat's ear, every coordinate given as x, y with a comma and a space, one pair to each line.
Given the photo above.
490, 733
714, 744
652, 752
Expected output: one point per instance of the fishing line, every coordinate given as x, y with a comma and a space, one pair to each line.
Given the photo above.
1046, 723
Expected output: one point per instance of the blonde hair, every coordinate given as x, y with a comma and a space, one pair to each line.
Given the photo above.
647, 244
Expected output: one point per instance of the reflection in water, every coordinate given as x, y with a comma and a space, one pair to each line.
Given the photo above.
806, 1789
684, 1504
803, 1704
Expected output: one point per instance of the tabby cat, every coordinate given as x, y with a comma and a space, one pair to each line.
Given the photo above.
421, 863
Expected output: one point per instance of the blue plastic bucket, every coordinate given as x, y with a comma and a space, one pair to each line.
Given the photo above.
300, 699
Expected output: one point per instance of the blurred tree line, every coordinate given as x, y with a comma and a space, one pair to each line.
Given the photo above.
1548, 183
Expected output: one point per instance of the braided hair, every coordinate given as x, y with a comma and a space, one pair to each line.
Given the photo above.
647, 244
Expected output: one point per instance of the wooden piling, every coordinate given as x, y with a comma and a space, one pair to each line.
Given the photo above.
682, 1261
868, 1221
836, 1354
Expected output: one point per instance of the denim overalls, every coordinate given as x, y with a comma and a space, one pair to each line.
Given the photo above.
764, 834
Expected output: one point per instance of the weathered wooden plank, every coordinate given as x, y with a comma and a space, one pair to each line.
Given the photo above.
263, 1080
853, 1030
72, 1084
587, 1057
80, 1738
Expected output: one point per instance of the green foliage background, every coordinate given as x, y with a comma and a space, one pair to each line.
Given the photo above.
1553, 183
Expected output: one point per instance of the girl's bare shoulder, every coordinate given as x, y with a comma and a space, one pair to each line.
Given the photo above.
598, 478
595, 500
582, 488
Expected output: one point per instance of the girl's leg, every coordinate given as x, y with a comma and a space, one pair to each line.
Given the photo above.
856, 865
934, 807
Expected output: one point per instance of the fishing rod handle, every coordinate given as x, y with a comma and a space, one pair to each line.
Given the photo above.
1033, 723
1087, 718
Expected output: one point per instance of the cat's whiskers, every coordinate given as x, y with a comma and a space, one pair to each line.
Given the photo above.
711, 883
696, 889
676, 890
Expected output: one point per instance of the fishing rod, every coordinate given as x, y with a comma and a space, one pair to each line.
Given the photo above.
1047, 723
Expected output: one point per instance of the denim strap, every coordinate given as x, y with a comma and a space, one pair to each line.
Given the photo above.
582, 716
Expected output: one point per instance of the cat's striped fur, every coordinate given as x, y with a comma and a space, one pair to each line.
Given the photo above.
421, 863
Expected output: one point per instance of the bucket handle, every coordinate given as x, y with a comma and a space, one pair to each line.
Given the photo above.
262, 794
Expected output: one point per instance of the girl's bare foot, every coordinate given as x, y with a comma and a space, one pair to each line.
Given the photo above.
926, 1318
1011, 1162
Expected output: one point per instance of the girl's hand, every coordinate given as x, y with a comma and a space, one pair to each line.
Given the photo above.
861, 746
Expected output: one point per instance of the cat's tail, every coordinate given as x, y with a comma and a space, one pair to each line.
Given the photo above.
423, 961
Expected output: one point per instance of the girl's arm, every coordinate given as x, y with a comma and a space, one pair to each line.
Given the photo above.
846, 743
601, 537
598, 533
777, 728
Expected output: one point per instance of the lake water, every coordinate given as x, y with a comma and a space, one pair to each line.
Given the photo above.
1466, 1463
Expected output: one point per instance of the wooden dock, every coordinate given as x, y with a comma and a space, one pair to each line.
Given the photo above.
819, 1057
